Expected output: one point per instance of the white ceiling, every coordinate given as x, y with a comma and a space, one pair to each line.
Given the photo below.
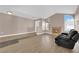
37, 11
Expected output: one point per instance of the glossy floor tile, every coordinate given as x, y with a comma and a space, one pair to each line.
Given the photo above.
38, 44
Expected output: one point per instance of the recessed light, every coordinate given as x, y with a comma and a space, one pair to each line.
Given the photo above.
10, 13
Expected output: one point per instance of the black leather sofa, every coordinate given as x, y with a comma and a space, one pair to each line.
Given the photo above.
67, 40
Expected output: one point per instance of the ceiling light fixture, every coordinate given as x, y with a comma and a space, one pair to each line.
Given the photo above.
10, 13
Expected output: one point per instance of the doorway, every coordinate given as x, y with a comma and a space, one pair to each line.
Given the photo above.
41, 26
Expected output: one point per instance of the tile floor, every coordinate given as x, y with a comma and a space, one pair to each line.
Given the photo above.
39, 44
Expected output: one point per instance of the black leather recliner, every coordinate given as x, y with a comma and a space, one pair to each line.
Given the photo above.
67, 40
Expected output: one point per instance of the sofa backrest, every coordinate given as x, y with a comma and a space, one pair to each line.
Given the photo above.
72, 33
75, 37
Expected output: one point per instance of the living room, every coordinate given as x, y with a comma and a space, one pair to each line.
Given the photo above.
33, 28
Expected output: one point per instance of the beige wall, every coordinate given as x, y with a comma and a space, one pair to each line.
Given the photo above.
25, 25
77, 19
56, 20
10, 24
